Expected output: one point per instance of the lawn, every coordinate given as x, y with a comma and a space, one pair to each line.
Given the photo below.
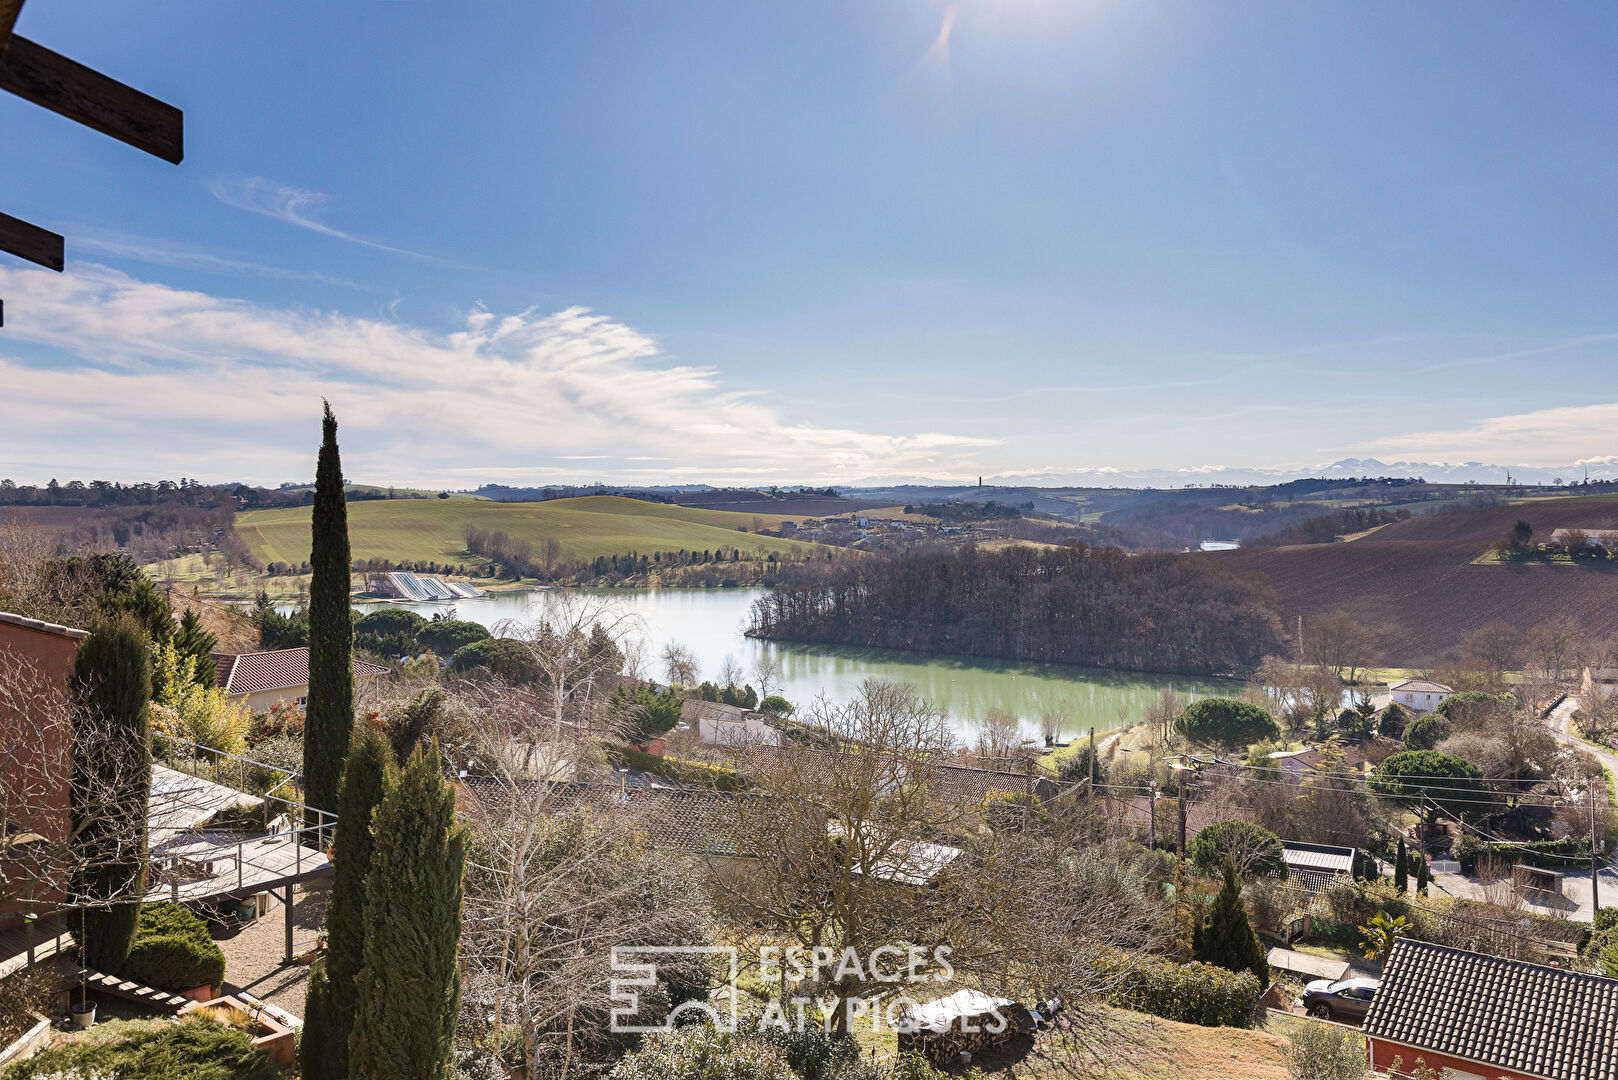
431, 530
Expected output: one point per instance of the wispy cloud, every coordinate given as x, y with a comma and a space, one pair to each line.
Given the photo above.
1578, 433
142, 377
295, 206
185, 257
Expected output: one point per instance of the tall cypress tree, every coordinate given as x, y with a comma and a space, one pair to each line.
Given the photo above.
1424, 874
1227, 939
1401, 869
367, 775
409, 990
329, 716
112, 688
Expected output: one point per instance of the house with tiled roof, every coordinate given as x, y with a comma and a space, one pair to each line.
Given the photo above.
1414, 696
1473, 1017
261, 679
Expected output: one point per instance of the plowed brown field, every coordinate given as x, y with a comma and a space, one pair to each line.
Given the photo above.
1415, 584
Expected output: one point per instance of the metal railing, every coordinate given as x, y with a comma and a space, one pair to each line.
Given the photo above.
292, 813
223, 761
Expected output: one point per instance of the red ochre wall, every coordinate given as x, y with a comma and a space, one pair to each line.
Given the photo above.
1383, 1052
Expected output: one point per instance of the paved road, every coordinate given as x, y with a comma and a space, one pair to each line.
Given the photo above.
1558, 722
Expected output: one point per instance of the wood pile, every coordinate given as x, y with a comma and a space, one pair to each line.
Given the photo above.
964, 1022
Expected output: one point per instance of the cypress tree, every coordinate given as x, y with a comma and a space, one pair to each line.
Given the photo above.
329, 714
191, 639
410, 987
367, 774
1424, 875
111, 683
1401, 869
1227, 939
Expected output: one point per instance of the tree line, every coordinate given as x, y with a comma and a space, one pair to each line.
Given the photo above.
1076, 605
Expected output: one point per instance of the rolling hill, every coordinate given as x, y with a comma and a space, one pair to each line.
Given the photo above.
412, 530
1417, 585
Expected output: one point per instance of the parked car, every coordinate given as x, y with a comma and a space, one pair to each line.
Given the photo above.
1348, 1000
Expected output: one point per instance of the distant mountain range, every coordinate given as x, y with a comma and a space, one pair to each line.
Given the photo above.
1466, 472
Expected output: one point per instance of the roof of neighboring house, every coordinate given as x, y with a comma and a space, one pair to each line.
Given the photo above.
1314, 865
1355, 755
1421, 686
696, 709
1136, 810
1542, 1021
283, 669
956, 783
43, 627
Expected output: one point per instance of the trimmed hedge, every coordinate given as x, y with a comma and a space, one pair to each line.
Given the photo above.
172, 951
1571, 853
1191, 993
192, 1049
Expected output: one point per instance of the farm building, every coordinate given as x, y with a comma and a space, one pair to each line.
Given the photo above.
261, 679
1561, 539
1418, 695
1467, 1015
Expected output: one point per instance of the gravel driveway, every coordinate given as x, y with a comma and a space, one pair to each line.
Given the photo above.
253, 954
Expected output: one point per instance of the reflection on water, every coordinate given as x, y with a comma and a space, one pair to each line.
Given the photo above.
710, 623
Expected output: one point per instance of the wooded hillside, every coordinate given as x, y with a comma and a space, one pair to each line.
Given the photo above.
1073, 605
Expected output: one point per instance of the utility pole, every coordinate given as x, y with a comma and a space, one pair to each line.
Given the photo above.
1185, 793
1092, 761
1151, 801
1595, 856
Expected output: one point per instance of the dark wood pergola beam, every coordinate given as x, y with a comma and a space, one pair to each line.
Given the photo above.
27, 241
8, 19
82, 94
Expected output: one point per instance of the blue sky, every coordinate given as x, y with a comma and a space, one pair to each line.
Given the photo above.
826, 242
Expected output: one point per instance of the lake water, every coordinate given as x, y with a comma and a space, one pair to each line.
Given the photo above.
710, 623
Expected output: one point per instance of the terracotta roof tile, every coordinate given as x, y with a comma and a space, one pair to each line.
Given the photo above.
250, 673
1503, 1014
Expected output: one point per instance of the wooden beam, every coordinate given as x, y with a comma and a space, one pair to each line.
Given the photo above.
8, 19
30, 242
65, 86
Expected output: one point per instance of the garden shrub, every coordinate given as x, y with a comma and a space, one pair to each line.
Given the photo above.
172, 950
1427, 731
1193, 993
813, 1053
23, 993
190, 1050
701, 1053
1325, 1052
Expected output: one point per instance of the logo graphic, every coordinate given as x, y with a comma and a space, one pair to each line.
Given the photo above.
640, 962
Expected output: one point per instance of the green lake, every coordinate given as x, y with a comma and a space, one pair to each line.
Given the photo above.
710, 623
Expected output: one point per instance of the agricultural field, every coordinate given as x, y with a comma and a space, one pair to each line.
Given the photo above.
1417, 584
421, 530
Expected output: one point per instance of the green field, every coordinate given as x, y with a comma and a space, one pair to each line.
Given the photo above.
431, 530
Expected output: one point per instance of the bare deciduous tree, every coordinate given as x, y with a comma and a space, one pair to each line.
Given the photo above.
730, 672
679, 664
860, 850
574, 644
767, 671
1339, 644
999, 735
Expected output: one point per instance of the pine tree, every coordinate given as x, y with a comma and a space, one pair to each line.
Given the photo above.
329, 715
1424, 875
193, 640
410, 987
367, 774
1401, 869
111, 683
1227, 938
